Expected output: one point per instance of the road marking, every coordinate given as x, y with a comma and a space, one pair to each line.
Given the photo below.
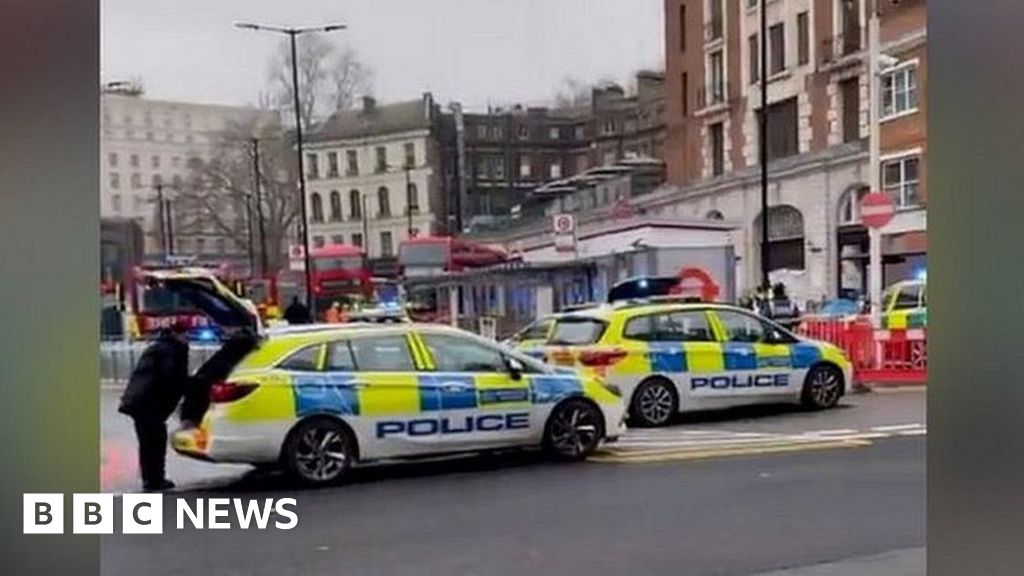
695, 454
839, 432
896, 427
922, 432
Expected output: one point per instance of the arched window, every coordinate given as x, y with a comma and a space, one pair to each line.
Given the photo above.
355, 205
317, 207
849, 205
383, 202
715, 215
335, 205
785, 238
412, 198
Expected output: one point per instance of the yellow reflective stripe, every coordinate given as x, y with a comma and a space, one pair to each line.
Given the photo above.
273, 400
424, 360
321, 361
388, 393
637, 360
716, 326
704, 357
897, 320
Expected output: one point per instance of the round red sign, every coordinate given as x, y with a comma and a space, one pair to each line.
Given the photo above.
876, 209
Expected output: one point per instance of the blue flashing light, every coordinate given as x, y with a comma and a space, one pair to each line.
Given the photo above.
206, 335
643, 284
922, 274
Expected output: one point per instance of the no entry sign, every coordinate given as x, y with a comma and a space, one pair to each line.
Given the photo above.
876, 209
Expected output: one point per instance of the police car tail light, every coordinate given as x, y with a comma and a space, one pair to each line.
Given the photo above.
601, 357
222, 392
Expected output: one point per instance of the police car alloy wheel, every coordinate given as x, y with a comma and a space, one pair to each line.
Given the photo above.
822, 388
574, 430
654, 403
319, 451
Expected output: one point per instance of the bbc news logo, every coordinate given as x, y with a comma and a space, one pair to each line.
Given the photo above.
144, 513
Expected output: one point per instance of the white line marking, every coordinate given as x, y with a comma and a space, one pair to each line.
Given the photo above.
831, 432
896, 427
923, 432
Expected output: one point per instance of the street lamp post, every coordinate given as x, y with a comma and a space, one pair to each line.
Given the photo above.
259, 205
292, 34
408, 199
249, 234
763, 144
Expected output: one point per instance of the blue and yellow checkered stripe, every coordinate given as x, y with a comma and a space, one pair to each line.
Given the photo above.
360, 394
713, 357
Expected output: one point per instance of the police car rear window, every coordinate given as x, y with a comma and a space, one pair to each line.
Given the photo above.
574, 330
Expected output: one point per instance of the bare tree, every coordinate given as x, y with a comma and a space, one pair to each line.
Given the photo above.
329, 78
217, 197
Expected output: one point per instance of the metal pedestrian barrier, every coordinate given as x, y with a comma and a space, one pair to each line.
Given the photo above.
878, 356
118, 359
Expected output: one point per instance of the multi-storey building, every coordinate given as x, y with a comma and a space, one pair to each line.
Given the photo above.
147, 144
817, 115
375, 177
509, 153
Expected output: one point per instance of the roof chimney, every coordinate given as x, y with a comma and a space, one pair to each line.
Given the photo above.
369, 104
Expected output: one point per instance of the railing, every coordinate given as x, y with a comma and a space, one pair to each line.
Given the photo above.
878, 356
118, 359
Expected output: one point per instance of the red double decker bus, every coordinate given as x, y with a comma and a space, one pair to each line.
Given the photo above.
428, 256
340, 274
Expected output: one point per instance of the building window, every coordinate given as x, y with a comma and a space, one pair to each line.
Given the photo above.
134, 160
682, 27
754, 61
901, 179
410, 155
782, 129
686, 94
785, 237
383, 202
777, 39
716, 137
850, 92
580, 135
355, 205
154, 162
317, 207
716, 24
555, 169
481, 131
176, 182
157, 180
312, 169
382, 159
351, 163
176, 162
221, 245
716, 78
337, 239
149, 136
554, 133
357, 240
115, 201
318, 241
335, 206
412, 198
525, 169
497, 131
200, 245
524, 131
498, 167
137, 203
332, 164
387, 248
136, 181
899, 91
112, 159
803, 38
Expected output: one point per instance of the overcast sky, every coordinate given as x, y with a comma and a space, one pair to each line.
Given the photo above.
476, 51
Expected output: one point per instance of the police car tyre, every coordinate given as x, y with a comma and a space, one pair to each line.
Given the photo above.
822, 388
574, 429
654, 403
319, 451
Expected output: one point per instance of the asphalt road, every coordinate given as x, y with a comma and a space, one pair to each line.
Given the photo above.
861, 511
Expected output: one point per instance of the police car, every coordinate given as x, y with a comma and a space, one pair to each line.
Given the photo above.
677, 357
317, 399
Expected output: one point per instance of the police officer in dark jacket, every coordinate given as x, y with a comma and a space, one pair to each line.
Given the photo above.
156, 386
296, 312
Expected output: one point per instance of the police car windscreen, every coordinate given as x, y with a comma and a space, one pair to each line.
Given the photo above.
577, 330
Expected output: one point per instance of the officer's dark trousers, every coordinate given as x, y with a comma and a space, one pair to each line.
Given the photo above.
152, 436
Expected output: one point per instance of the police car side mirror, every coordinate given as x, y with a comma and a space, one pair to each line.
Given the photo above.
515, 367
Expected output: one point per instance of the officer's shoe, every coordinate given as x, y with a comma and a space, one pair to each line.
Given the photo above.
161, 486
